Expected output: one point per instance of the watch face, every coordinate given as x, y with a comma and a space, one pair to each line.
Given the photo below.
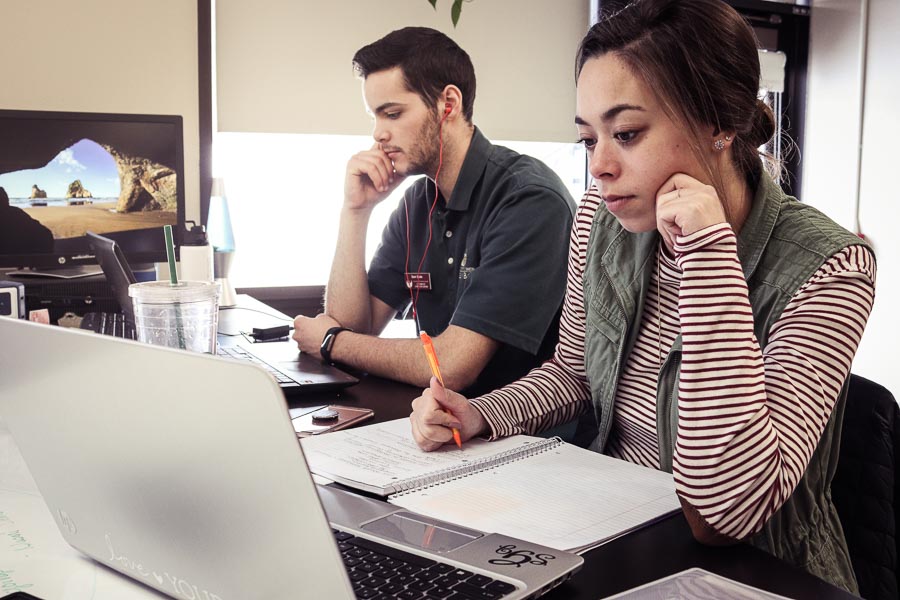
328, 342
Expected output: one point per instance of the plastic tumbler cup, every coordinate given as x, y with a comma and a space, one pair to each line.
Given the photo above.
182, 315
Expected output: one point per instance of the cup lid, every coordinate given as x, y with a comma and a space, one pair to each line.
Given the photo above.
164, 292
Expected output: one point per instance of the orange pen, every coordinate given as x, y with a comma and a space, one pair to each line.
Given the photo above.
436, 371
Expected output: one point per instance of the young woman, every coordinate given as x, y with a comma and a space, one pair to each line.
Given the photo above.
710, 320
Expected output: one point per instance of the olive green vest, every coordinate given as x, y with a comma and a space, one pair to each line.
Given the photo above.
781, 245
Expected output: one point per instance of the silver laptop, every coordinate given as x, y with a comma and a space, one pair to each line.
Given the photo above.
183, 472
294, 371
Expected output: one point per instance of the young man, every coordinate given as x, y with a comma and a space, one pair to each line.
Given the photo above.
483, 262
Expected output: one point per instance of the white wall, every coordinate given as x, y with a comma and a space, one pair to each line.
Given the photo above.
832, 168
134, 56
879, 207
831, 148
284, 66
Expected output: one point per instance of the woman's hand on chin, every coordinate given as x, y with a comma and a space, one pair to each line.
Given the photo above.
685, 205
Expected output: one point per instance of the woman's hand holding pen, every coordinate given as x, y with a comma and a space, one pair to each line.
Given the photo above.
437, 411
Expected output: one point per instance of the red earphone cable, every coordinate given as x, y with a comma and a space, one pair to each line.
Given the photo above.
406, 266
415, 297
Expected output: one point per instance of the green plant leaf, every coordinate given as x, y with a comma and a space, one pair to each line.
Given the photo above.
455, 11
433, 4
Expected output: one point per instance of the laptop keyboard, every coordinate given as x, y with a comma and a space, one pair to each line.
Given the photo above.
378, 572
240, 354
108, 323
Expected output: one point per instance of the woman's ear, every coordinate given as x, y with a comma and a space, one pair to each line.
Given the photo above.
723, 141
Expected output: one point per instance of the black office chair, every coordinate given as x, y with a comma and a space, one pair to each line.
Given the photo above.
866, 487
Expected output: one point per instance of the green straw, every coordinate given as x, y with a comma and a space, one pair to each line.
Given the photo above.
170, 253
173, 279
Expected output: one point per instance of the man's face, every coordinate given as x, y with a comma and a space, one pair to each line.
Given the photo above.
405, 127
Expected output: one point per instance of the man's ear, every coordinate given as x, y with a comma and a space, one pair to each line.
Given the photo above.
450, 101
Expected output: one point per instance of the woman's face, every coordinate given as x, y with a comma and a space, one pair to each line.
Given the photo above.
633, 147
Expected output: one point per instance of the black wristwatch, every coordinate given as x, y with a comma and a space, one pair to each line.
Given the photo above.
328, 342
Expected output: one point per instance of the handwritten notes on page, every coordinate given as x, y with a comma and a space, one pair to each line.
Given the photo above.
379, 458
566, 498
542, 490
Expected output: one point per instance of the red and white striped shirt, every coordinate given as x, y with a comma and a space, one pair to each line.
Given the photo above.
748, 420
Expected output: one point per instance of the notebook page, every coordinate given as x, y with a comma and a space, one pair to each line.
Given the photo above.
566, 498
377, 457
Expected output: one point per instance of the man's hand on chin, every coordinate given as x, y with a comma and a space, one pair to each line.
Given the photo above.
308, 333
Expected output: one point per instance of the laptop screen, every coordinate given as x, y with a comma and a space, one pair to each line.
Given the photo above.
116, 270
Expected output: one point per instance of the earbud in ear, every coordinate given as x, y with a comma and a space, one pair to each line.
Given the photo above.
447, 108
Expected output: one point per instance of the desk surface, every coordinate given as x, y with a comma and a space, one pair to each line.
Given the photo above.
38, 556
653, 552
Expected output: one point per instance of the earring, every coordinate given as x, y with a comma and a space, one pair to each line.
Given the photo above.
719, 144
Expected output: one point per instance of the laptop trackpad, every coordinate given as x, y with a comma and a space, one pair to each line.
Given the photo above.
421, 532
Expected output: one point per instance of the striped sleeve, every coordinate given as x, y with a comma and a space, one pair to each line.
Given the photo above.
555, 392
750, 420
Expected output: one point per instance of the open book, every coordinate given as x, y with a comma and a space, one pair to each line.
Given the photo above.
543, 490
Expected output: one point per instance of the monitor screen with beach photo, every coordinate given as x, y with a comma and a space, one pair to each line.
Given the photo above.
63, 174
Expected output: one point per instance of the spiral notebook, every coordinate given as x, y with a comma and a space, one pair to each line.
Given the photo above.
543, 490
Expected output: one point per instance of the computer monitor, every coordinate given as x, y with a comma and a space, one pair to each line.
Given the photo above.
64, 173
